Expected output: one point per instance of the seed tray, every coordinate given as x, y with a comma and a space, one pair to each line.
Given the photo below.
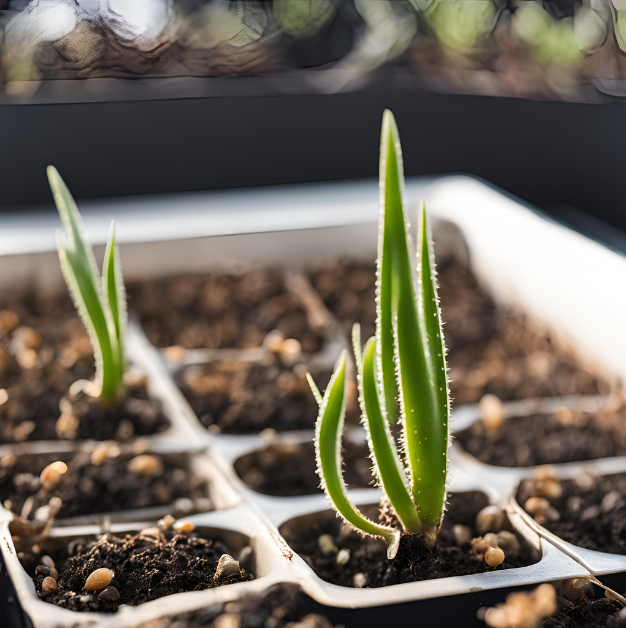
497, 231
598, 563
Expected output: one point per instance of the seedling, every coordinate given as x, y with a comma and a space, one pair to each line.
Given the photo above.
401, 372
99, 299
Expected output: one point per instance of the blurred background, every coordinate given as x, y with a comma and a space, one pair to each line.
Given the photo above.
151, 96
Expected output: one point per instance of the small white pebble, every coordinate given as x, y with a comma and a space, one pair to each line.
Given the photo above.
491, 412
489, 519
343, 556
462, 535
227, 566
610, 501
327, 545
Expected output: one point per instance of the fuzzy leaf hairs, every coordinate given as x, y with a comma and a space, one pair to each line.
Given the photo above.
100, 299
402, 375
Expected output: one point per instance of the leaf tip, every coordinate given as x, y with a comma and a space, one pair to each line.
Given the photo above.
390, 126
314, 389
388, 117
341, 361
52, 172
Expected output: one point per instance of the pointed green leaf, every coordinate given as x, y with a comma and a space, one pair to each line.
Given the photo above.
434, 402
391, 190
77, 245
115, 296
328, 433
388, 468
419, 359
81, 275
314, 389
423, 382
79, 302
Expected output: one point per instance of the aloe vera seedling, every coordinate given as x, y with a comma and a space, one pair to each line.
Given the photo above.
401, 371
99, 299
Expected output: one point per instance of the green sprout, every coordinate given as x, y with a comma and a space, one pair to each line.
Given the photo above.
402, 370
99, 300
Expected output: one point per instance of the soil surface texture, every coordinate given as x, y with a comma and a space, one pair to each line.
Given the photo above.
137, 415
286, 470
280, 606
565, 436
491, 349
144, 567
44, 349
117, 483
414, 561
237, 397
222, 310
84, 417
600, 613
591, 512
42, 334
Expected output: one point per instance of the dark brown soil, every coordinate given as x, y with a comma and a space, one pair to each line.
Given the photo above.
44, 349
348, 289
144, 569
277, 607
592, 512
549, 439
221, 310
88, 489
521, 360
414, 561
137, 415
286, 470
246, 398
491, 349
59, 350
601, 613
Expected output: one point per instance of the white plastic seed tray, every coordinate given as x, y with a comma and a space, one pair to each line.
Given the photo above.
561, 278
